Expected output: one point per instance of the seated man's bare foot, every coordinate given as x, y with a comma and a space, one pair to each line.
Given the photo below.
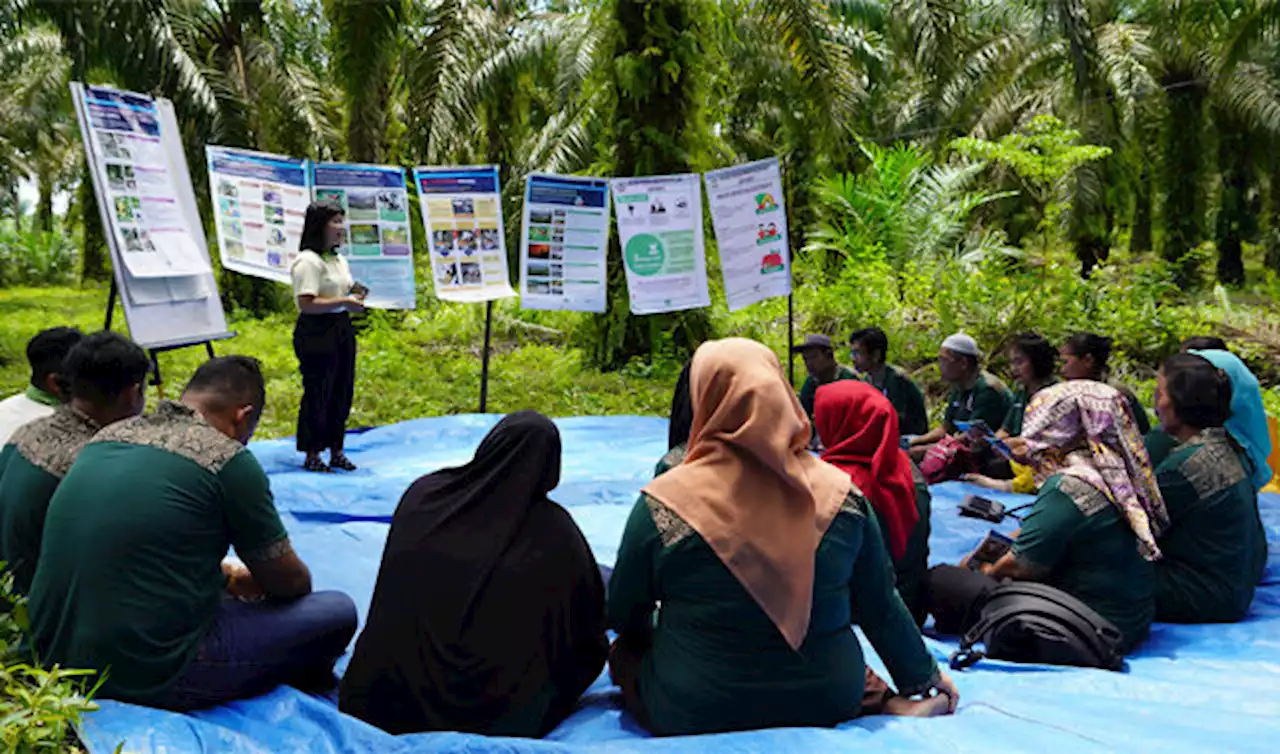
934, 706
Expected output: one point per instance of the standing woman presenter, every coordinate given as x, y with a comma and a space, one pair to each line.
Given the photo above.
323, 339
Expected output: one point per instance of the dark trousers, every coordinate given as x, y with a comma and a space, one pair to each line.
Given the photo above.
253, 647
325, 345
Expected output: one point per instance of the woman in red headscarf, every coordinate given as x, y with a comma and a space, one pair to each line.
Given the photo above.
859, 428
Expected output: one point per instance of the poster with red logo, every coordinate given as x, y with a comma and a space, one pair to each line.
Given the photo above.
750, 222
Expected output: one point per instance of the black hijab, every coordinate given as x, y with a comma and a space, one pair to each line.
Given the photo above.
484, 590
681, 411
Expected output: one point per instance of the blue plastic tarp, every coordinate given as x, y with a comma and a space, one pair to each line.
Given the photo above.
1188, 688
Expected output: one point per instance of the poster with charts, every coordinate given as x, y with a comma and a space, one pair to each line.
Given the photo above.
564, 241
749, 217
375, 206
660, 229
462, 214
259, 203
145, 209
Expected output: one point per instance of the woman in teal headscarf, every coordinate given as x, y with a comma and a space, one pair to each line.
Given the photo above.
1248, 422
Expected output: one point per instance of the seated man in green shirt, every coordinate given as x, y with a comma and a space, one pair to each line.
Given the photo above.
1215, 549
820, 360
869, 347
131, 580
106, 374
974, 394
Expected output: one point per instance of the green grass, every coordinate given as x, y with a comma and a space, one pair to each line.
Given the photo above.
410, 365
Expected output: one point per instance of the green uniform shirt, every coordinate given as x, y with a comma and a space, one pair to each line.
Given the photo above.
987, 400
907, 400
1086, 548
717, 662
671, 459
914, 564
1215, 549
1018, 409
32, 464
809, 390
129, 578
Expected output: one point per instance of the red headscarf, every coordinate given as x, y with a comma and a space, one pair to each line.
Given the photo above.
859, 428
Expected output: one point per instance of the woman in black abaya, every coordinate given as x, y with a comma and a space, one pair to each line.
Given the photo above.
488, 614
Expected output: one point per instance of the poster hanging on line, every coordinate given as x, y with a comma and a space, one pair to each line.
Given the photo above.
564, 241
461, 211
750, 221
260, 201
146, 214
378, 247
660, 229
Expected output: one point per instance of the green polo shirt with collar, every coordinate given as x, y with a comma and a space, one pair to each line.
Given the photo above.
907, 399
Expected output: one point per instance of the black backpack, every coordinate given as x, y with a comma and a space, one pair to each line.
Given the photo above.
1022, 621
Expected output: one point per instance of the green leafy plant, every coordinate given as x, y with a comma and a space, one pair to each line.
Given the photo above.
39, 707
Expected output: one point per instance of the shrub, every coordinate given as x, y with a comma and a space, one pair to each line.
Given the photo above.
35, 257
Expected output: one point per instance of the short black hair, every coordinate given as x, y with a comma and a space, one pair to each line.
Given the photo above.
1091, 344
48, 349
1204, 343
318, 216
873, 339
1199, 391
102, 365
1040, 352
230, 381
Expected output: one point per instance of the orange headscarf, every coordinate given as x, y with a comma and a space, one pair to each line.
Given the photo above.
749, 486
860, 429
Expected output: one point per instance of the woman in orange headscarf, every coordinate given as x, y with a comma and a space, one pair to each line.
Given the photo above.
742, 569
858, 427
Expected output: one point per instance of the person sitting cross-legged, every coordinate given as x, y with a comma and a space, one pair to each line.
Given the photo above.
131, 580
1215, 550
742, 569
106, 373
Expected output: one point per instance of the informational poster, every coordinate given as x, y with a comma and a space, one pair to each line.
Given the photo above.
564, 241
750, 221
151, 229
660, 228
260, 201
462, 212
378, 248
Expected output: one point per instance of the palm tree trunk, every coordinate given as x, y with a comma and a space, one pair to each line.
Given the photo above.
1233, 162
1140, 232
1183, 163
44, 204
1273, 212
657, 121
94, 261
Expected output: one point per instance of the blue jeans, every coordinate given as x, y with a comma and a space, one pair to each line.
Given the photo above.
253, 647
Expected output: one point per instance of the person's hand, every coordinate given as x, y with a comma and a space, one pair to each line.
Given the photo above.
354, 305
945, 687
240, 582
1017, 449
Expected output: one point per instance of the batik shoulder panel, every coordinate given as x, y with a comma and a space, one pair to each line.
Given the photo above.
1215, 465
52, 443
1088, 499
177, 429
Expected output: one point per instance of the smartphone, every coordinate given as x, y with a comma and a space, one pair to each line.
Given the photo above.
992, 548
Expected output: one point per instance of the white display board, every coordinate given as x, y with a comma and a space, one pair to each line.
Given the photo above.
259, 203
158, 249
660, 229
750, 220
462, 214
564, 243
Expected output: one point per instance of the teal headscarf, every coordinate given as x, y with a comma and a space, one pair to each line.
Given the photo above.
1248, 422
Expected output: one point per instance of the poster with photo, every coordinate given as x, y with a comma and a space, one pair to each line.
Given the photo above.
462, 214
660, 229
260, 202
146, 215
378, 248
564, 241
749, 217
